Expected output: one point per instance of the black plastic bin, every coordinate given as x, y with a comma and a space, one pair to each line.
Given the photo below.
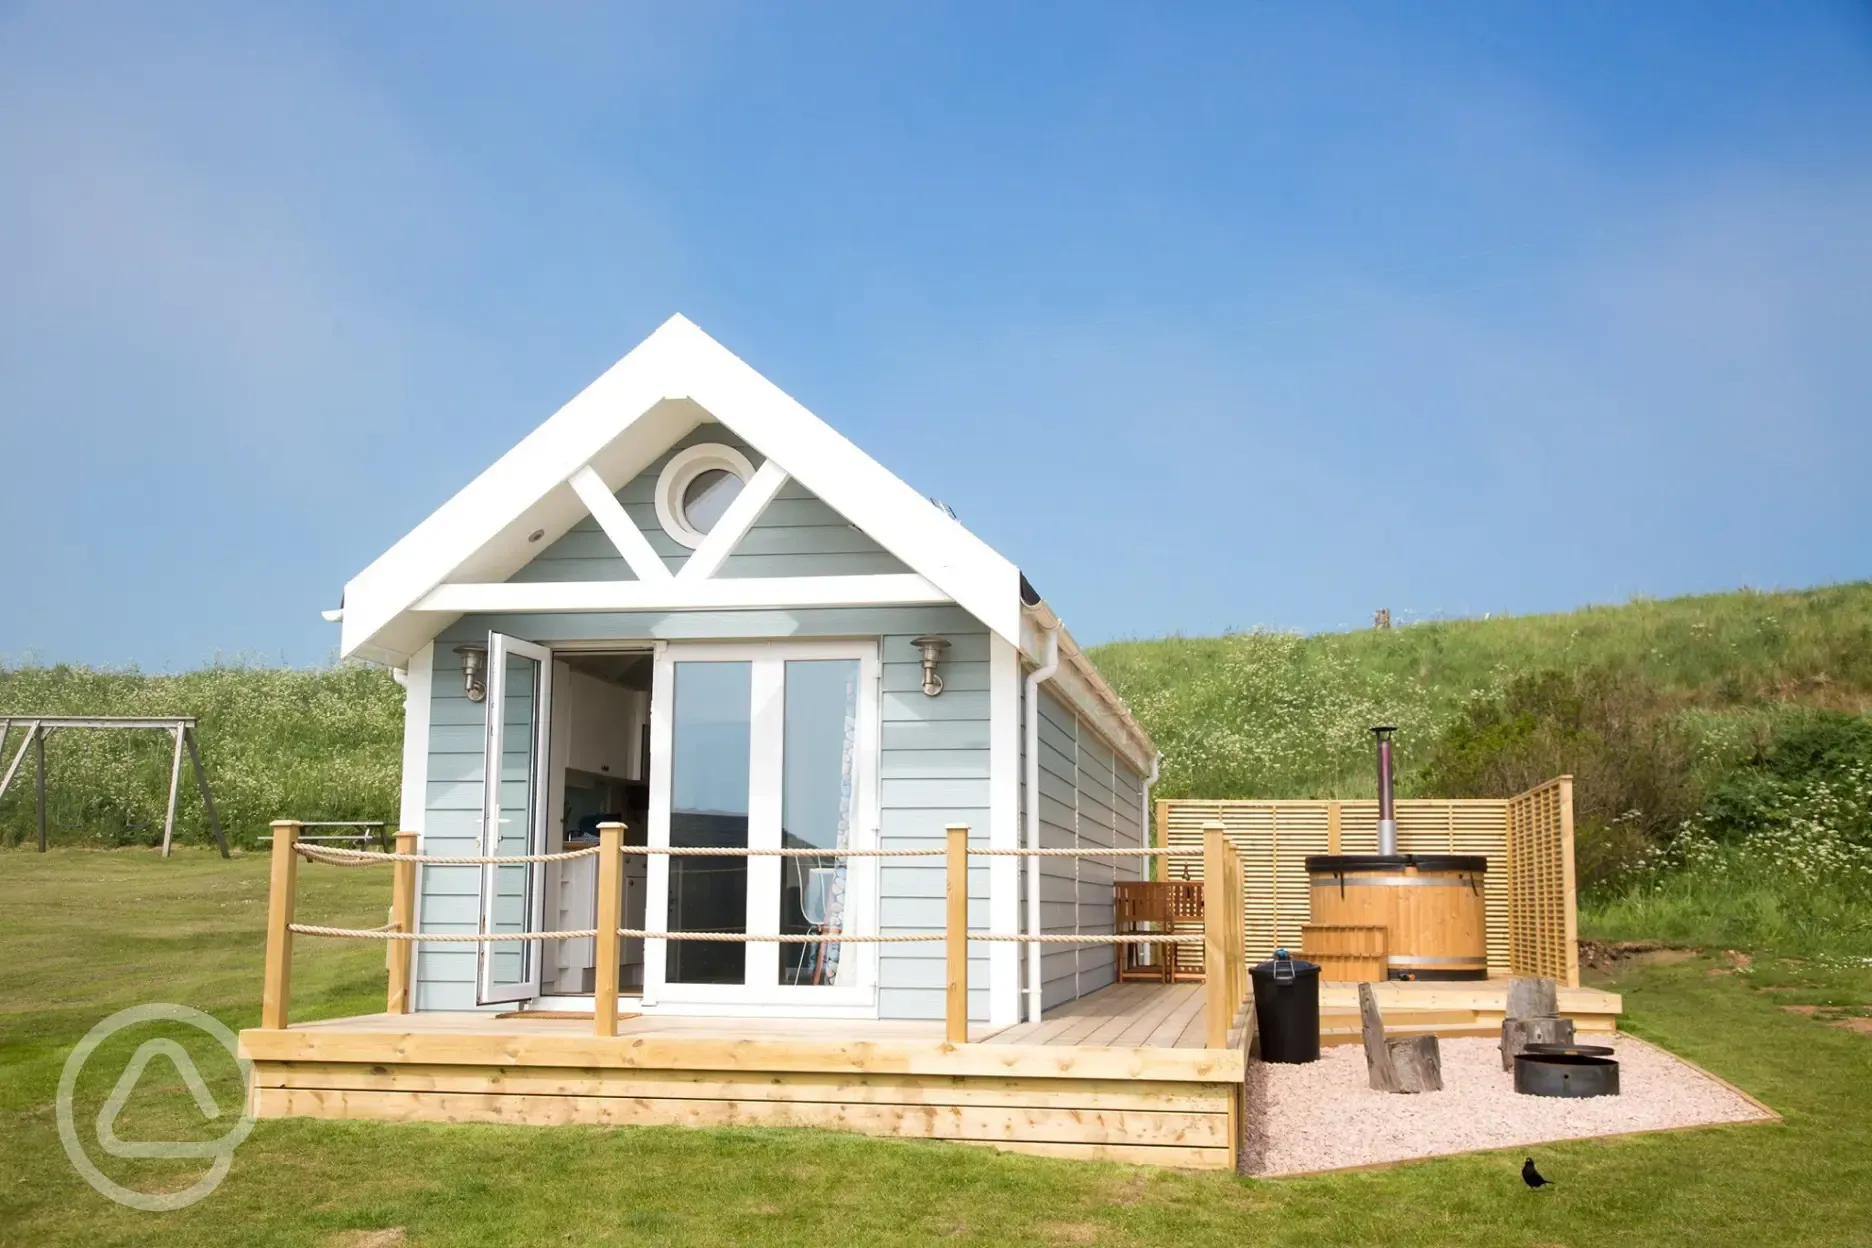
1286, 1000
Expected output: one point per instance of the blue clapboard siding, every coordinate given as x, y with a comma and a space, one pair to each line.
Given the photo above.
797, 535
933, 771
1088, 797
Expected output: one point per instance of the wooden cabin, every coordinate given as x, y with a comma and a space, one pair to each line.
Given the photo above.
686, 605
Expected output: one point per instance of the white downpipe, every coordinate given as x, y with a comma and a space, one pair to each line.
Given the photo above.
1040, 674
1145, 835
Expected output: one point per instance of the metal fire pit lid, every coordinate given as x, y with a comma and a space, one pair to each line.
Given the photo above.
1563, 1050
1565, 1074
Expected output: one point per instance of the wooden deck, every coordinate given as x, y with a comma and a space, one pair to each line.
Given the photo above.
1123, 1016
1119, 1075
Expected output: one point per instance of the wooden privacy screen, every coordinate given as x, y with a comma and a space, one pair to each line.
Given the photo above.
1529, 894
1543, 923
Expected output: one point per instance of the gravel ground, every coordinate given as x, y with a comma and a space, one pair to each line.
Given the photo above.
1322, 1116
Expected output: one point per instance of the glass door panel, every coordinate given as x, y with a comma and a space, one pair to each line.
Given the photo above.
765, 746
709, 769
513, 814
819, 743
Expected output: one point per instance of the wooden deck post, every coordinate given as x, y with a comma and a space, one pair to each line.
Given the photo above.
282, 892
1238, 930
1217, 969
610, 914
1569, 884
955, 942
402, 919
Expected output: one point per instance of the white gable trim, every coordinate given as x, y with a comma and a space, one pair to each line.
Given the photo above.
618, 526
618, 425
734, 523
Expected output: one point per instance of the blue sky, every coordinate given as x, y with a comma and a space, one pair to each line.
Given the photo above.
1208, 317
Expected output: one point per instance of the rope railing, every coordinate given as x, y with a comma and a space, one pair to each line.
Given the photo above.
370, 858
389, 932
365, 858
1221, 938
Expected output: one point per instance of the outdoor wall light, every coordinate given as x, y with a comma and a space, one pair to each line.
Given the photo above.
474, 671
932, 648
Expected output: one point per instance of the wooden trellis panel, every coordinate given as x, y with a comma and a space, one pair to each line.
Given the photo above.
1543, 931
1530, 931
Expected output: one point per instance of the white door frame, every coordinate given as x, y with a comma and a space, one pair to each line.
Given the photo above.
763, 994
527, 987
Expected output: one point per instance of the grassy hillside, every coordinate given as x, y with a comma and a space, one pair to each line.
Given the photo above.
1280, 715
276, 743
1696, 729
1721, 745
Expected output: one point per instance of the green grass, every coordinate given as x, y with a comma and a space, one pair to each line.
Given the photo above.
85, 933
1734, 911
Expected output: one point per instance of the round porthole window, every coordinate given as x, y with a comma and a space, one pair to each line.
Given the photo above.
696, 487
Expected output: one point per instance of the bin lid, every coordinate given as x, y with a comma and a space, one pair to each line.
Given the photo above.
1283, 967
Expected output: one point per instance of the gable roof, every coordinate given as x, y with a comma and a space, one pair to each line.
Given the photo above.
619, 424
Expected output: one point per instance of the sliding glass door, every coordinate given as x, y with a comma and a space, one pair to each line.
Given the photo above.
764, 747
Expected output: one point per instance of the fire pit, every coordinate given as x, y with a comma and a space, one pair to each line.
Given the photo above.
1571, 1070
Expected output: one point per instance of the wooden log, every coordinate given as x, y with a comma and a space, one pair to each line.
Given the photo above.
1416, 1064
1532, 997
1378, 1068
1518, 1033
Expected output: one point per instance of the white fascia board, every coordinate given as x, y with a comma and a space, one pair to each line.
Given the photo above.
731, 593
909, 526
519, 481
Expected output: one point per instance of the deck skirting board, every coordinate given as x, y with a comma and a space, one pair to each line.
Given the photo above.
1170, 1123
1072, 1094
321, 1042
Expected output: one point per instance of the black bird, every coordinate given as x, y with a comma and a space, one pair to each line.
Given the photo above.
1531, 1176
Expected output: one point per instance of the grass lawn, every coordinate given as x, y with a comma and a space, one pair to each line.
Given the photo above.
83, 934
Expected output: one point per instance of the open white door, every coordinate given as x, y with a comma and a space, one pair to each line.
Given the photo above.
513, 816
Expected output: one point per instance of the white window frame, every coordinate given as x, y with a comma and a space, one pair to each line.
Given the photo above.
763, 994
683, 468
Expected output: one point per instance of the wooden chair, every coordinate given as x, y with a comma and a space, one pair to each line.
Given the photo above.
1155, 906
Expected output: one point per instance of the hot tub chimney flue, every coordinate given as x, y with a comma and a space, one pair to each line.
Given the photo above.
1387, 812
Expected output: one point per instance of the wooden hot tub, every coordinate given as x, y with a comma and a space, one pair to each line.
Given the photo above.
1431, 906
